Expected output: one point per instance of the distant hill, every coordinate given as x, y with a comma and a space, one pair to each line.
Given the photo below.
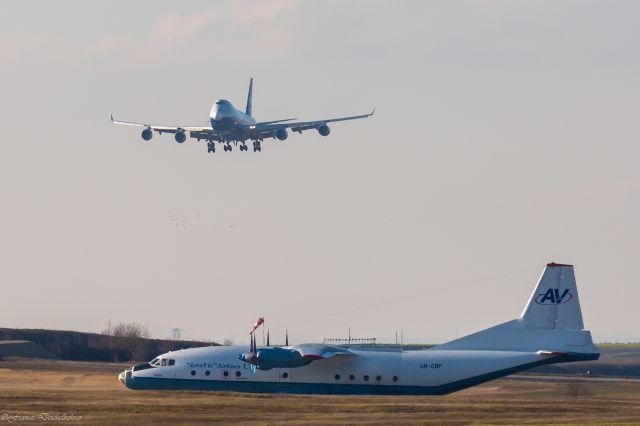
23, 349
80, 346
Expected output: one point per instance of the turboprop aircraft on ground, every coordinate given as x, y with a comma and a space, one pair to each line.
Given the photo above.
550, 330
228, 125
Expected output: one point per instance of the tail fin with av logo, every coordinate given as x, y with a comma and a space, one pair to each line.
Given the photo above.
550, 323
554, 303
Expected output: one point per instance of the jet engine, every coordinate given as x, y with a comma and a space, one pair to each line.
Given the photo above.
180, 136
324, 130
268, 358
282, 134
147, 134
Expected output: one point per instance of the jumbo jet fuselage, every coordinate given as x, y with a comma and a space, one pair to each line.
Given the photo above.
227, 120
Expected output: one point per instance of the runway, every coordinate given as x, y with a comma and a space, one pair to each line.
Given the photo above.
92, 391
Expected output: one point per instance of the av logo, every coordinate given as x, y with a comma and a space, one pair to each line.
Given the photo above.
554, 297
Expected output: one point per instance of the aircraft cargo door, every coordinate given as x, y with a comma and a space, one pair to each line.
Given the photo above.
284, 375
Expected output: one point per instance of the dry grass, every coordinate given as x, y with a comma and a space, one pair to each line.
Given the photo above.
92, 391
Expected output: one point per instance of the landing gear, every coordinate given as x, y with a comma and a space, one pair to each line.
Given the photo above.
228, 147
211, 147
256, 146
244, 147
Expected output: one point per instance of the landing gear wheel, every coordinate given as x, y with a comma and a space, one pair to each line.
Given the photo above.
256, 146
211, 147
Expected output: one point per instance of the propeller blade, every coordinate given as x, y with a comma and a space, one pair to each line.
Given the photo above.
286, 338
267, 337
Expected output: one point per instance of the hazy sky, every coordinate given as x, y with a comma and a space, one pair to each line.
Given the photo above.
505, 137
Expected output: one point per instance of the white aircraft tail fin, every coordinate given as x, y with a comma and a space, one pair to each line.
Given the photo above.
248, 111
554, 303
550, 322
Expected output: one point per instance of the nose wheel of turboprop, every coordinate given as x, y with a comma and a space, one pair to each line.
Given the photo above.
256, 146
211, 147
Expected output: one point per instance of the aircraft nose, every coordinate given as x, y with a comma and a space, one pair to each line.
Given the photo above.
126, 374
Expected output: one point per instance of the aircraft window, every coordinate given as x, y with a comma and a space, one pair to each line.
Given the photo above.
206, 373
155, 361
225, 374
337, 377
193, 372
164, 362
395, 378
172, 362
351, 377
366, 378
238, 374
378, 378
285, 375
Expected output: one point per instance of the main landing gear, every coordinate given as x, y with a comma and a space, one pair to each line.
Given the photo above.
211, 146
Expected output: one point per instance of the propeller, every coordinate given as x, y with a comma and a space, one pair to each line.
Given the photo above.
268, 337
286, 338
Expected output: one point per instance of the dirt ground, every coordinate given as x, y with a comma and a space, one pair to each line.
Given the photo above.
89, 393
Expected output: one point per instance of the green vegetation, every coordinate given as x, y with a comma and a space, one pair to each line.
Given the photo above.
618, 345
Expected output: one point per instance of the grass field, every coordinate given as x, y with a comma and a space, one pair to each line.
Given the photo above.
91, 390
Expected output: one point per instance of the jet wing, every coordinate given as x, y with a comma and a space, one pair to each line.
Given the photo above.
165, 129
269, 129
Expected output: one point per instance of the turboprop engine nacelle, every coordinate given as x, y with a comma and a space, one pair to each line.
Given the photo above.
180, 136
324, 130
147, 134
268, 358
282, 134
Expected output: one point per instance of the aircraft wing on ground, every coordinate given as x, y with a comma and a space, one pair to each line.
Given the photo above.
314, 351
269, 129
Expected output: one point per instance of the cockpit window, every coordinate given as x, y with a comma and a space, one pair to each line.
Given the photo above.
164, 362
172, 362
221, 102
155, 361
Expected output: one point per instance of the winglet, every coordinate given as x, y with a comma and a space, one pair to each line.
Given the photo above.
372, 112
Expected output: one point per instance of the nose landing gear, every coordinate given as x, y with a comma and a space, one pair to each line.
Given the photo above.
211, 147
256, 146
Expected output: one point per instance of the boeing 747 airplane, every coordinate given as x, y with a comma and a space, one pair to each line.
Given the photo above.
549, 331
230, 126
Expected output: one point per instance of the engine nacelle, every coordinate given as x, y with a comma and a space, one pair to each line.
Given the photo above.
147, 134
282, 134
180, 137
324, 130
268, 358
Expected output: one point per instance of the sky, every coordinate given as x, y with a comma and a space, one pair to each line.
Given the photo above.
505, 137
